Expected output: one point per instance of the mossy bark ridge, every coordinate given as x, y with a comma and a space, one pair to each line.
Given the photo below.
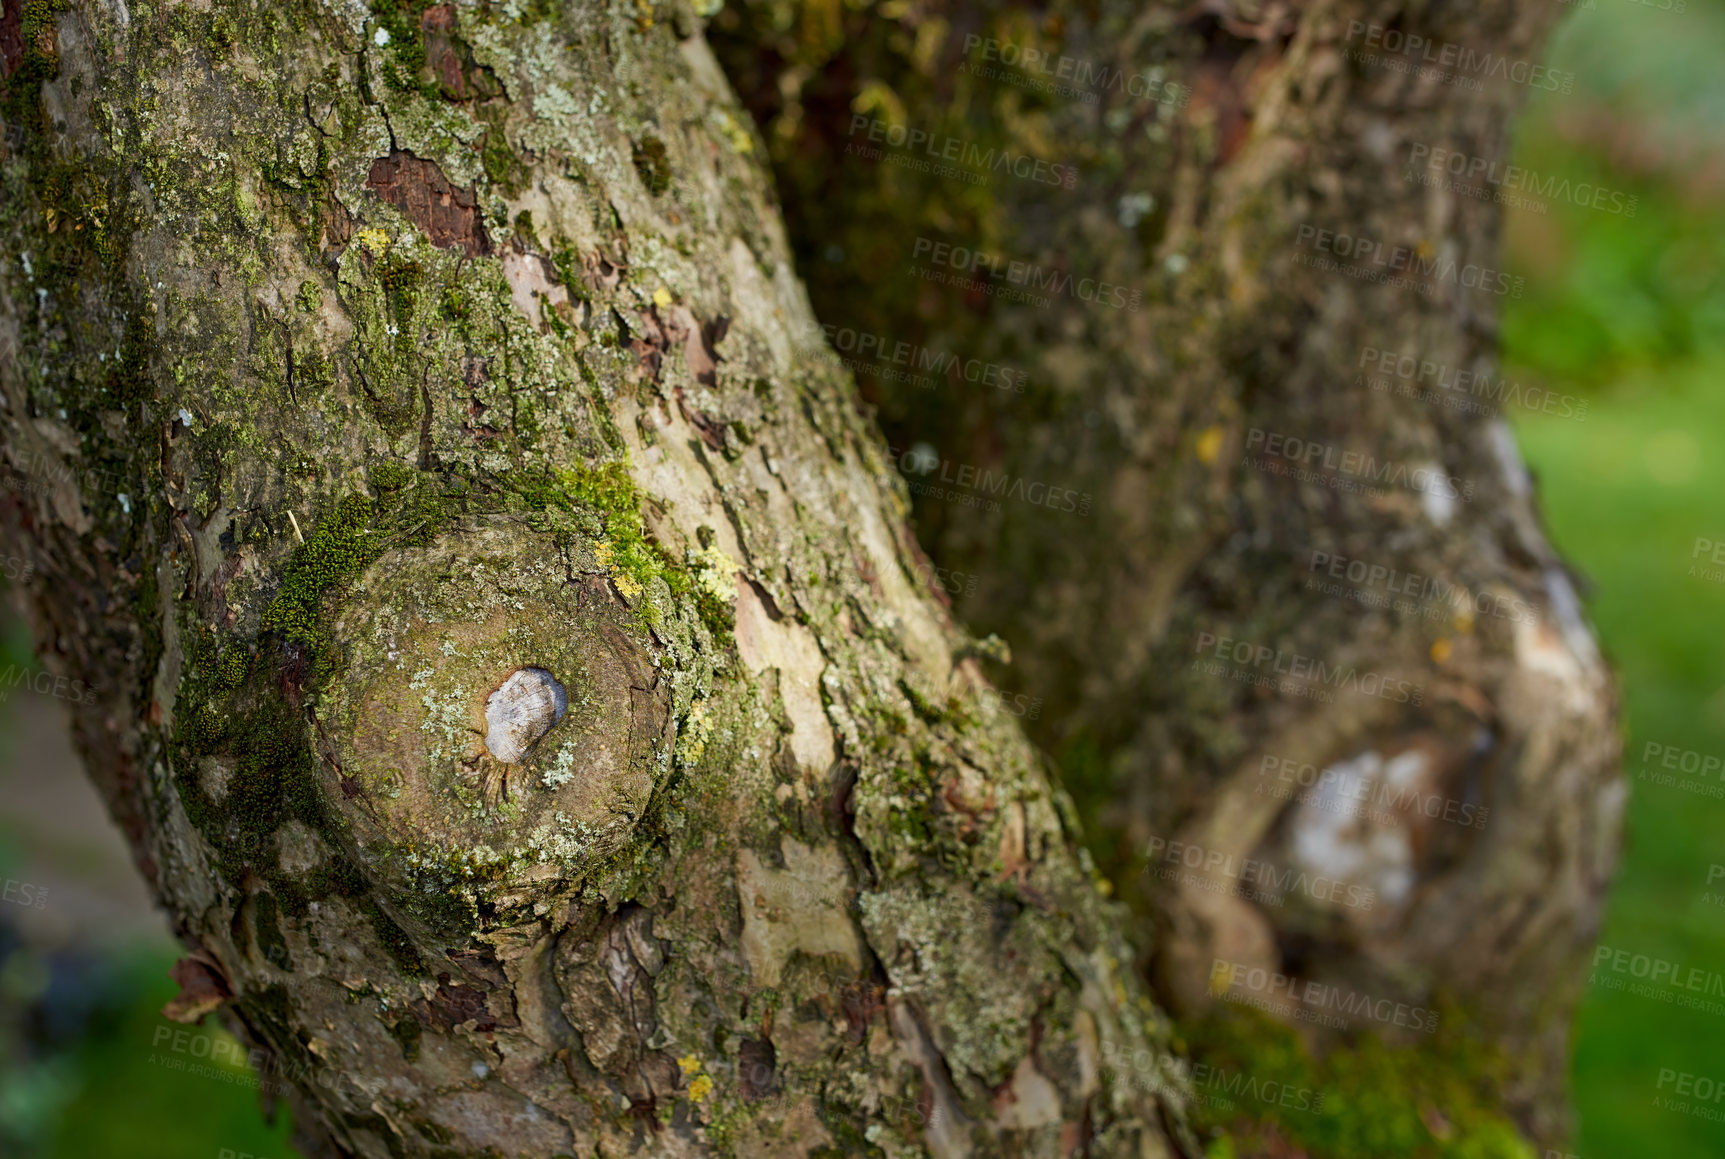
359, 359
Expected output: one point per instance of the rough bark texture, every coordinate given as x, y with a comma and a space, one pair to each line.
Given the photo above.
352, 360
1200, 188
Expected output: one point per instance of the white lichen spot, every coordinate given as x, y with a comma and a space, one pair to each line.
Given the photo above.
1566, 655
1134, 208
1336, 834
380, 37
565, 841
1437, 496
554, 104
562, 770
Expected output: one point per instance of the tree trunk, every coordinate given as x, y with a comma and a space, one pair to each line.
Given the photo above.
1306, 570
506, 650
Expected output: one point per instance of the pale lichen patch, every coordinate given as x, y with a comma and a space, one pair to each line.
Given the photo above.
298, 849
790, 648
799, 909
1028, 1101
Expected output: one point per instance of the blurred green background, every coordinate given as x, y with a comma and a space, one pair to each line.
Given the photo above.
1627, 311
1630, 311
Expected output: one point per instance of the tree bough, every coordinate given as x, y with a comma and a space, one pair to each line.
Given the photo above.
366, 358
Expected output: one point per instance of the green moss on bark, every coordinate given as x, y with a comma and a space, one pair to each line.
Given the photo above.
339, 549
1363, 1100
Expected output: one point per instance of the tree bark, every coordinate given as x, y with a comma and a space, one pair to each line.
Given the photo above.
353, 362
1211, 144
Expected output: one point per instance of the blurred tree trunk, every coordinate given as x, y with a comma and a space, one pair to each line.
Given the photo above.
353, 362
1290, 457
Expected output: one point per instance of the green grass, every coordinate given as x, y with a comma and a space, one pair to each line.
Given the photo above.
129, 1104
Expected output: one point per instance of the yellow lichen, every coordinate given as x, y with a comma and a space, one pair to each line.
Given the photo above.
1209, 445
700, 1086
697, 731
735, 133
627, 585
715, 572
373, 239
